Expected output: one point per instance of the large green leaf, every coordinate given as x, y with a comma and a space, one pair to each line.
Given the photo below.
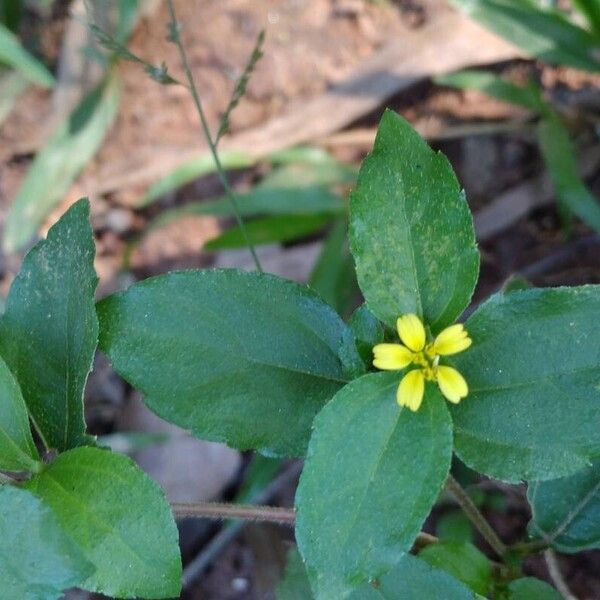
37, 559
120, 520
243, 358
49, 330
533, 372
544, 34
270, 230
566, 511
14, 55
559, 156
414, 579
411, 230
17, 450
463, 561
530, 588
65, 154
372, 474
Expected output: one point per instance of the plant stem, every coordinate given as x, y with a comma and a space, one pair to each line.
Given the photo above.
254, 512
194, 569
248, 512
556, 575
176, 38
527, 548
475, 516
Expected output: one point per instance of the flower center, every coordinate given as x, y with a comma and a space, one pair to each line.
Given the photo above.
429, 361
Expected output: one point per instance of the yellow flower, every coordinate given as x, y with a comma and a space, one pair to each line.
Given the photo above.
426, 357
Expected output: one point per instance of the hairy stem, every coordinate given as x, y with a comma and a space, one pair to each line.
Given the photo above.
253, 512
475, 516
176, 38
248, 512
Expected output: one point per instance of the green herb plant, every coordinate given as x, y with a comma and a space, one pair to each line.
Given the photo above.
557, 38
261, 363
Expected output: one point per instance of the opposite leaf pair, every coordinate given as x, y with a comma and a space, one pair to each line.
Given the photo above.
249, 359
373, 471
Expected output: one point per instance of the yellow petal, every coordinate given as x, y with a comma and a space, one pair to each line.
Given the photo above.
451, 340
411, 390
452, 384
391, 357
411, 332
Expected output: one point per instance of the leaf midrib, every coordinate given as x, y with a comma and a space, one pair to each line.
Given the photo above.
93, 516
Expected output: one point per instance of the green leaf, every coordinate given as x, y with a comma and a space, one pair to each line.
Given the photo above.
242, 358
333, 276
544, 34
566, 511
295, 584
65, 154
37, 559
515, 283
372, 474
11, 12
454, 526
303, 201
559, 156
411, 230
127, 442
14, 55
414, 579
260, 472
497, 87
120, 520
368, 332
533, 377
463, 561
49, 331
311, 166
530, 588
193, 169
270, 230
590, 9
328, 172
17, 450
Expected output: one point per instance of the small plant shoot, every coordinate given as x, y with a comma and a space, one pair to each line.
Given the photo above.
377, 406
